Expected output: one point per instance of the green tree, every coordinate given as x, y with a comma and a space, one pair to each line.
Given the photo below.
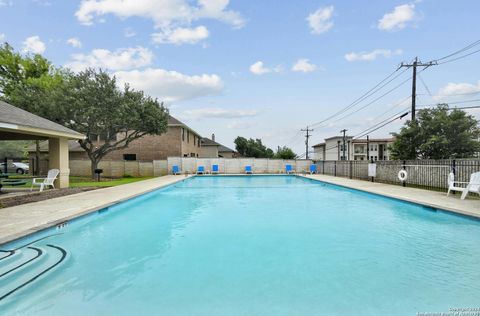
91, 103
438, 133
13, 149
88, 102
285, 153
26, 81
252, 148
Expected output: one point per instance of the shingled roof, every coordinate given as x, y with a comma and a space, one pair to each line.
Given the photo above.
16, 119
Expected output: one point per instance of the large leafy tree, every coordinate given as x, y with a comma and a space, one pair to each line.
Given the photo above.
26, 80
89, 102
438, 133
252, 148
285, 153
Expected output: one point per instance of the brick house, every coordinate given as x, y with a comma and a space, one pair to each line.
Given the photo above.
178, 141
211, 149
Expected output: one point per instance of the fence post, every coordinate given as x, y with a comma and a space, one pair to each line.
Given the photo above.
335, 168
351, 170
404, 183
323, 167
454, 171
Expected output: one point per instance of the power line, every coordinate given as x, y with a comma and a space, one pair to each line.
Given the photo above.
372, 102
459, 51
386, 123
367, 94
456, 102
424, 85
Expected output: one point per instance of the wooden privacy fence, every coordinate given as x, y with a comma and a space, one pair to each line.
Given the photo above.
432, 174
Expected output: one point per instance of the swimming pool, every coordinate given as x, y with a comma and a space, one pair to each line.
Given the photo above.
256, 245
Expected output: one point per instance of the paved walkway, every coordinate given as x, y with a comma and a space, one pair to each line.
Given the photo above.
433, 199
22, 220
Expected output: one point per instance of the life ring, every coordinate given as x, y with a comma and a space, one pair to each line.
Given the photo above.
402, 175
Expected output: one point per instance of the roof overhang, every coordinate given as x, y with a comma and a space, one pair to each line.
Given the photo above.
18, 132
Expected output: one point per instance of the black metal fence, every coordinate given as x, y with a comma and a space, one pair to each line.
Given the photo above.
429, 174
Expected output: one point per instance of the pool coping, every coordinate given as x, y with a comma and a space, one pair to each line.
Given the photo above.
432, 199
28, 227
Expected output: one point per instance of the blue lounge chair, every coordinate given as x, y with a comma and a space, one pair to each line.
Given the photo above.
175, 170
200, 170
313, 169
248, 169
214, 169
288, 169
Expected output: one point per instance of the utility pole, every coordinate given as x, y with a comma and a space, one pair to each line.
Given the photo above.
307, 136
416, 63
343, 149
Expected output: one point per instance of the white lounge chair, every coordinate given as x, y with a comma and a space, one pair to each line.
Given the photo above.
472, 186
45, 182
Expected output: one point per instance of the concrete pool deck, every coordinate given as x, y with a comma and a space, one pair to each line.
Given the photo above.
434, 199
22, 220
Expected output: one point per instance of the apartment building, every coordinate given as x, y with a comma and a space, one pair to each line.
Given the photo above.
355, 149
179, 140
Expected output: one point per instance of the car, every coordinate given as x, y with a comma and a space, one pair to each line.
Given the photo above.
17, 167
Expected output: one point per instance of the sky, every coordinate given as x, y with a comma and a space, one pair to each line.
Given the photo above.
262, 69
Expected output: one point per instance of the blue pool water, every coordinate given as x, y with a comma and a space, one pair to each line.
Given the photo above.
261, 245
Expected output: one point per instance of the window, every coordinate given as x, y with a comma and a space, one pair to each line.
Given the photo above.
130, 157
192, 155
93, 137
183, 134
376, 148
185, 155
104, 137
188, 136
376, 158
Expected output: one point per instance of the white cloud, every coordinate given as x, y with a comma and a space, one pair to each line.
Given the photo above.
398, 18
320, 21
74, 42
4, 3
303, 65
369, 56
221, 113
259, 68
241, 124
34, 45
164, 14
181, 35
121, 59
129, 32
457, 89
2, 37
171, 86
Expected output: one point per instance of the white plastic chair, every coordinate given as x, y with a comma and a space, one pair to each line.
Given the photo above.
472, 186
48, 181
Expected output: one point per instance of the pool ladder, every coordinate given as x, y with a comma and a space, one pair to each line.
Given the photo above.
24, 265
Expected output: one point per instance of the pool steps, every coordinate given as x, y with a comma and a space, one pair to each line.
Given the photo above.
26, 264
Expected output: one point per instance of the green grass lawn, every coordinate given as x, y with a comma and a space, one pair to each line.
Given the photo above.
104, 182
81, 181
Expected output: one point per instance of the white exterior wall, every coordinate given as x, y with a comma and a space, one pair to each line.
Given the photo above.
237, 165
